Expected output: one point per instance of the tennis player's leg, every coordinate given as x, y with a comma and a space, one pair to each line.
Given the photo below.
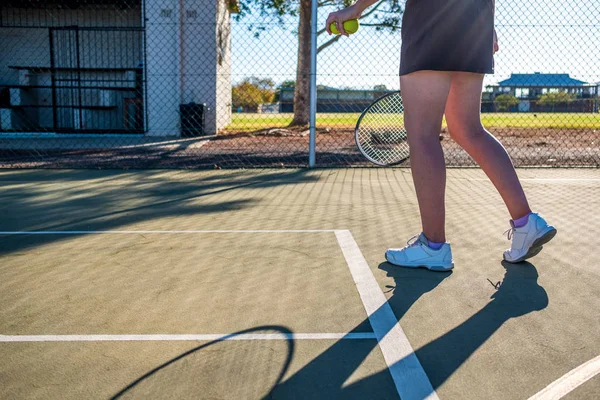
424, 96
529, 231
464, 124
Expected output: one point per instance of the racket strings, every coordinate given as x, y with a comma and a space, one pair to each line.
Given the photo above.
381, 135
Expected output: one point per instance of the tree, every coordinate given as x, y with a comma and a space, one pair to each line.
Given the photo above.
554, 99
252, 92
383, 15
505, 101
380, 88
287, 84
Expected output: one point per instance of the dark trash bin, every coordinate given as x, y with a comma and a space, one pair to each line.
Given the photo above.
192, 119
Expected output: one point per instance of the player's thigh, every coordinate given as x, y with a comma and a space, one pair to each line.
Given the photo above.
424, 95
463, 108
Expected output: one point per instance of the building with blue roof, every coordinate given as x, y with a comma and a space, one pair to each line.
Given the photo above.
542, 80
528, 88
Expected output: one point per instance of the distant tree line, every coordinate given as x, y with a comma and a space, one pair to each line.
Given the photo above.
250, 93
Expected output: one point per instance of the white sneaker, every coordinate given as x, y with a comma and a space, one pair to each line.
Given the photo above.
417, 254
528, 240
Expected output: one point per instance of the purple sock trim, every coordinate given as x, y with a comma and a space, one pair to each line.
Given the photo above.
518, 223
434, 245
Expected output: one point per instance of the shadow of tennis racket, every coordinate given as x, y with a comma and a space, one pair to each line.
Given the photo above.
239, 365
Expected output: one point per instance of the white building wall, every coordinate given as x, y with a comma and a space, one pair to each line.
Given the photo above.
189, 61
162, 69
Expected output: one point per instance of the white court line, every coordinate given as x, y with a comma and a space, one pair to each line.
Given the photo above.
158, 232
534, 179
185, 337
559, 179
409, 377
570, 381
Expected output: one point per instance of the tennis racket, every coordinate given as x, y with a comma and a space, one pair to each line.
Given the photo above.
380, 133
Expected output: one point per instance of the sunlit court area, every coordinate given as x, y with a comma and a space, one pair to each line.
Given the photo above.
198, 198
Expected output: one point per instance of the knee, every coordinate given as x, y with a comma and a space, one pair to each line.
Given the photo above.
465, 133
425, 138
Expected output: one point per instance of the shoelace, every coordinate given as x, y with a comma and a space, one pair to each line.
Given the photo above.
509, 233
412, 241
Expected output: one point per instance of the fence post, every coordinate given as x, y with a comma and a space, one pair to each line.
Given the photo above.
313, 86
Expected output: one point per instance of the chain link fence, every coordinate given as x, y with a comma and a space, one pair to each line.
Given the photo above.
224, 83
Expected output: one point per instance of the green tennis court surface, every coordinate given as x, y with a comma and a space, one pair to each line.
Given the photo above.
272, 284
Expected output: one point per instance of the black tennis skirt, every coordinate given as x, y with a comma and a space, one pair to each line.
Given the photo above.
448, 35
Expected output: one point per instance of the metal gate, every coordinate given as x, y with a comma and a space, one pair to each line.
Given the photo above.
97, 79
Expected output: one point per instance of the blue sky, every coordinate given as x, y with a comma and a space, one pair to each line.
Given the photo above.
548, 36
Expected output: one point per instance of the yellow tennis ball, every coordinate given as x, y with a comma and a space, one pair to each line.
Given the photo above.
350, 26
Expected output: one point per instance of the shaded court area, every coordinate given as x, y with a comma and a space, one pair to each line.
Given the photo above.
272, 284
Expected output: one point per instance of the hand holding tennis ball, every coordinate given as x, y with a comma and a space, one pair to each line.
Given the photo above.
344, 22
350, 27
